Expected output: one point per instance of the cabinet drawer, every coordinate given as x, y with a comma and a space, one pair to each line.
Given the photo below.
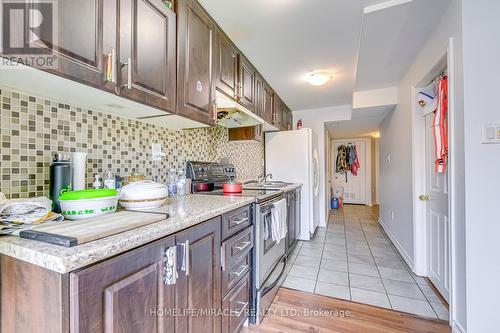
236, 306
235, 221
233, 274
237, 247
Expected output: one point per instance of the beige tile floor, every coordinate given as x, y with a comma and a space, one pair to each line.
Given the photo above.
353, 259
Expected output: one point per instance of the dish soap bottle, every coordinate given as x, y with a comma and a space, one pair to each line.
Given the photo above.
97, 182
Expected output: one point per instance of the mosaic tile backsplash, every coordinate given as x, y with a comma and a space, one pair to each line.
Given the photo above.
32, 129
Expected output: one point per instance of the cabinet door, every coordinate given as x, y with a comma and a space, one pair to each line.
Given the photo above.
124, 294
199, 285
268, 97
277, 111
79, 45
147, 53
195, 61
227, 65
259, 95
246, 83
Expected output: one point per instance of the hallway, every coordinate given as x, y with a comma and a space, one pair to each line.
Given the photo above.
352, 259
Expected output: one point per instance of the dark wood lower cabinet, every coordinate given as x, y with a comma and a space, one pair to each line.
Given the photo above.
124, 294
128, 293
198, 288
236, 306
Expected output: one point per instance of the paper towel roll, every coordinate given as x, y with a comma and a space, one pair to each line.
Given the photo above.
79, 161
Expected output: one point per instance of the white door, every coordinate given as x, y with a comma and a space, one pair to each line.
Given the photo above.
437, 217
354, 186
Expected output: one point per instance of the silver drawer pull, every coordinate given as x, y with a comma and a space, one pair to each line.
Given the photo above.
241, 271
238, 313
240, 220
242, 246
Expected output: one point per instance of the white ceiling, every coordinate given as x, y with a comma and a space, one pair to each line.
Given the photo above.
286, 39
391, 39
364, 122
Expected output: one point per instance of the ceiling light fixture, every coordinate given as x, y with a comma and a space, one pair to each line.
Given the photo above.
319, 78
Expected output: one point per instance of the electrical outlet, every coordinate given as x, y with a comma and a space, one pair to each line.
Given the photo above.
491, 133
156, 152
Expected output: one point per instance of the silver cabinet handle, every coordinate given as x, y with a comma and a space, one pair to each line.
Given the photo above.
214, 111
241, 271
186, 257
223, 256
129, 73
240, 220
242, 246
185, 260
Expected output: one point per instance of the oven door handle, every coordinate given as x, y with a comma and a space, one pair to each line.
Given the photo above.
267, 289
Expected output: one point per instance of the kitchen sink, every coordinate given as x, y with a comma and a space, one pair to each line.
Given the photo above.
255, 185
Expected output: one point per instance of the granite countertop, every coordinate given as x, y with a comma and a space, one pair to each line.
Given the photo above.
184, 213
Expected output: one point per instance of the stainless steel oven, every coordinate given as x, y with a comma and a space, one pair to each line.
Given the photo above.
269, 260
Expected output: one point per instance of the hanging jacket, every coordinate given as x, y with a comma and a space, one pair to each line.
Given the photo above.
342, 163
355, 163
440, 125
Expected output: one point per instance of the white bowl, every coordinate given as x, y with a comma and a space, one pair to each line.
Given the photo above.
87, 208
143, 195
143, 204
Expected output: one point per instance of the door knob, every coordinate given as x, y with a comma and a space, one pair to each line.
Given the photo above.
424, 197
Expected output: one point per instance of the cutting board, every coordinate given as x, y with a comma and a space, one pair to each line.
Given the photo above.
73, 233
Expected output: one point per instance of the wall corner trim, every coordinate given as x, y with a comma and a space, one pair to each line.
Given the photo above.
397, 244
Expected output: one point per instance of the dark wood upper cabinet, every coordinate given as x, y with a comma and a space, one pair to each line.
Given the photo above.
147, 56
199, 285
277, 111
78, 46
121, 294
259, 95
268, 111
195, 63
246, 133
227, 65
246, 83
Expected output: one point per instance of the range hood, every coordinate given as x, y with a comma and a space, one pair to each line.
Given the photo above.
230, 114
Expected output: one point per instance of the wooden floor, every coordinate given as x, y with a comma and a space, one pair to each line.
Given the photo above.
287, 315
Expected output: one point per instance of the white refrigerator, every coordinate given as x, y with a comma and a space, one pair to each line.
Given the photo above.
292, 156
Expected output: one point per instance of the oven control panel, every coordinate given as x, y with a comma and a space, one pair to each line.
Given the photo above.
210, 171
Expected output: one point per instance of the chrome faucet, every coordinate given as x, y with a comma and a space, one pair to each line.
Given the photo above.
263, 179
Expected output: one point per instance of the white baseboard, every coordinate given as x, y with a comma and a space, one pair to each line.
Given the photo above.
457, 328
402, 252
